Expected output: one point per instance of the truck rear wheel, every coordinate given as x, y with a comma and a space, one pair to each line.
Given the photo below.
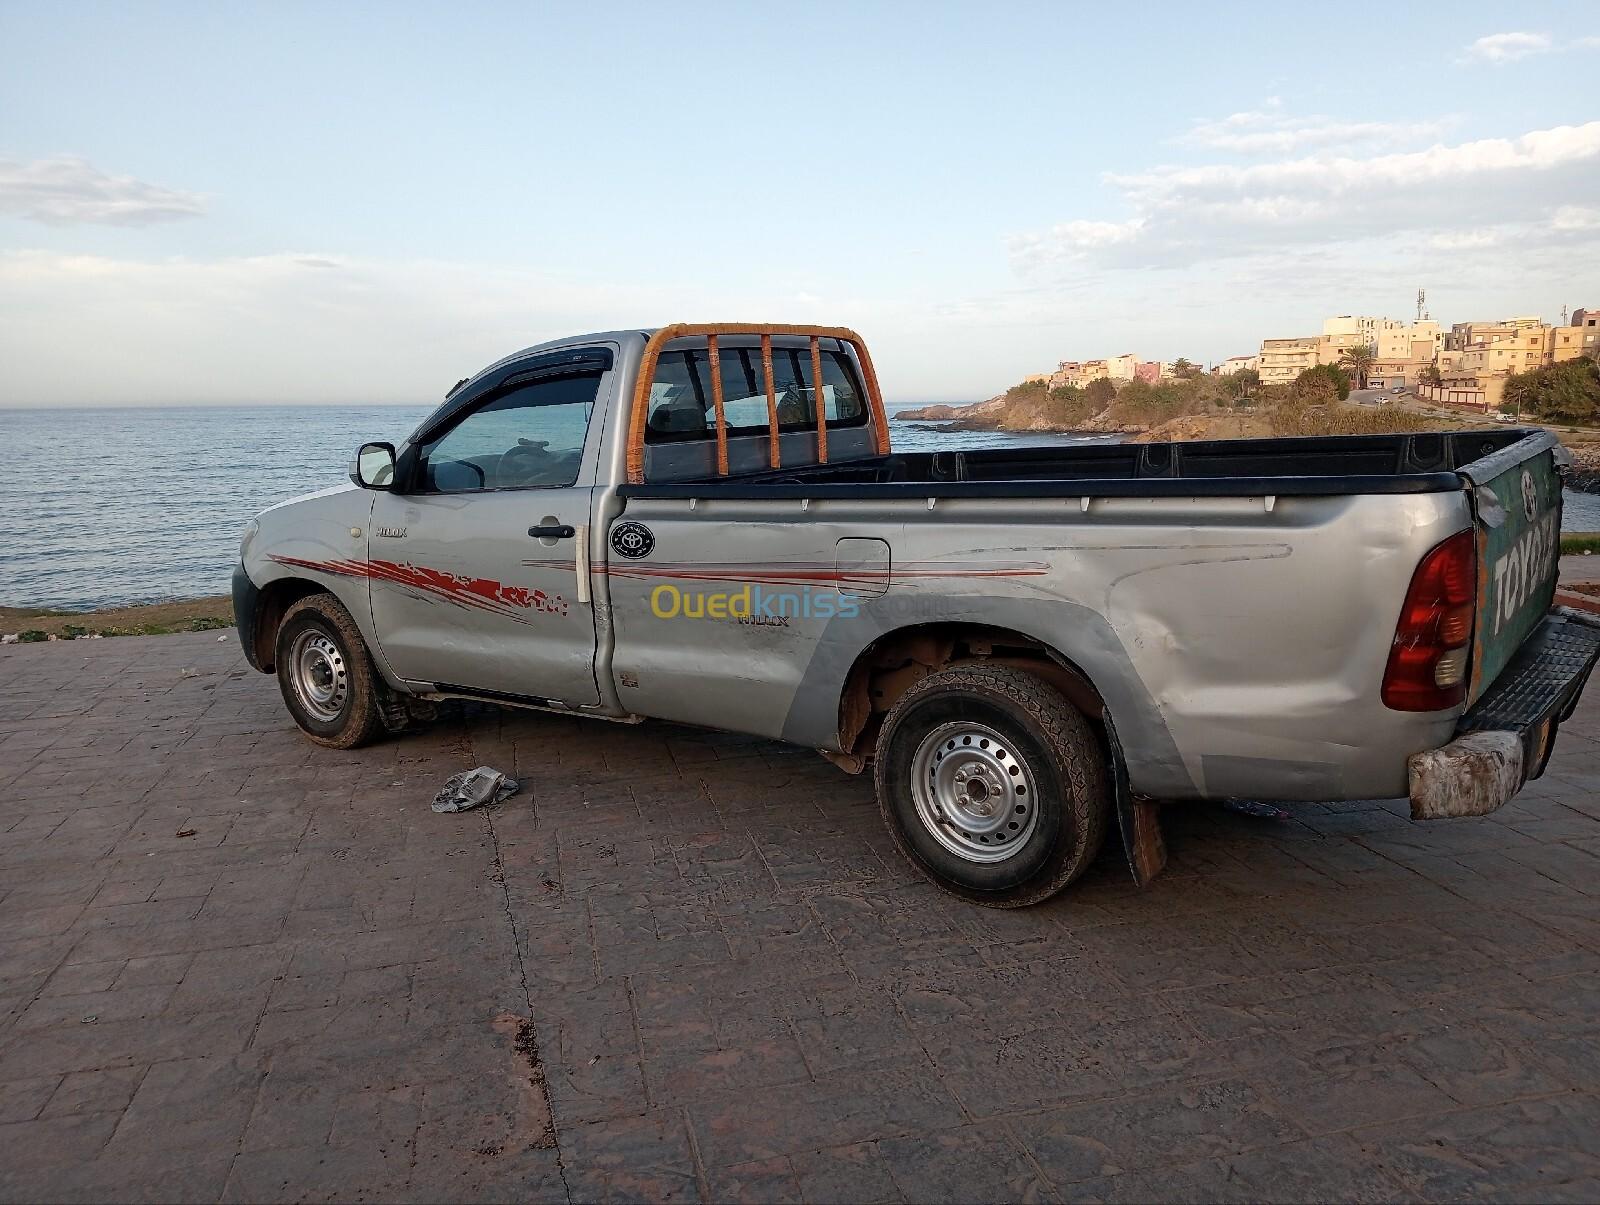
992, 784
326, 676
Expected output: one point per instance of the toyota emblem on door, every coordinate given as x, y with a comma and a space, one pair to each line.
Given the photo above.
632, 540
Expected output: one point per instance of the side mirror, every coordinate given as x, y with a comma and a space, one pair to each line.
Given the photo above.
373, 466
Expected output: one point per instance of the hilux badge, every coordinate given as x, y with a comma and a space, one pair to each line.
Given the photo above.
392, 533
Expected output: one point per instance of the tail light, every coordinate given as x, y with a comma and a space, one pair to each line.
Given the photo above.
1427, 668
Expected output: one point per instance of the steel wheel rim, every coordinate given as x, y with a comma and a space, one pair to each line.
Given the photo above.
319, 674
974, 794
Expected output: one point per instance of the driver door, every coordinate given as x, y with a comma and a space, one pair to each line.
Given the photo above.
474, 570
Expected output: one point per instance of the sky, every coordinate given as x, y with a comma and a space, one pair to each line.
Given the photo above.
267, 203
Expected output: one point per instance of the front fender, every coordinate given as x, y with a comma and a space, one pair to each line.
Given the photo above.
321, 540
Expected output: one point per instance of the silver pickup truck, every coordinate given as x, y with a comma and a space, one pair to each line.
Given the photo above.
707, 524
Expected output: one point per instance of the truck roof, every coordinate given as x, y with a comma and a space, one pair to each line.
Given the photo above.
555, 345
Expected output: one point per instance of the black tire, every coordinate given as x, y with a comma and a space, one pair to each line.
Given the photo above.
1041, 739
354, 715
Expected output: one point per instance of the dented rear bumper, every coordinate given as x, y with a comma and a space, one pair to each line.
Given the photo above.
1506, 738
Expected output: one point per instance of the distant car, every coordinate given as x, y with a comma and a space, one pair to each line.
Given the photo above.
1398, 389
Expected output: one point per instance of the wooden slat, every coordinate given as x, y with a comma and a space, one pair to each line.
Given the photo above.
880, 420
774, 453
680, 330
716, 404
816, 400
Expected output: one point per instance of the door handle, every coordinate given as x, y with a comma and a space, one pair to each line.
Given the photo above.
553, 531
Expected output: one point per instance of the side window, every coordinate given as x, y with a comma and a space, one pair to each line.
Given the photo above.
526, 438
681, 404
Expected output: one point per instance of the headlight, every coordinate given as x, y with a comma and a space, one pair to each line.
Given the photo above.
250, 531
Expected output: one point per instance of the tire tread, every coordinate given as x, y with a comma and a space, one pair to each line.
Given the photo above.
1068, 739
365, 722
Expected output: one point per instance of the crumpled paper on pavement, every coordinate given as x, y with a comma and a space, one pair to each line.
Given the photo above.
474, 788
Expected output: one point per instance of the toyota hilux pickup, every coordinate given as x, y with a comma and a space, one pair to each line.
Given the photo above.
707, 524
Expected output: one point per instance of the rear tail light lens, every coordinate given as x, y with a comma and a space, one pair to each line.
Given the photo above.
1427, 668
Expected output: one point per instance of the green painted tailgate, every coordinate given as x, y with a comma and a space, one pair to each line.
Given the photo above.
1518, 515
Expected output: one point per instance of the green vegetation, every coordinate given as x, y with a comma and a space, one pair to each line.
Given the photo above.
1294, 416
33, 624
1239, 386
1237, 405
1034, 405
1100, 391
1579, 542
1568, 392
1430, 375
1139, 403
1321, 384
1359, 362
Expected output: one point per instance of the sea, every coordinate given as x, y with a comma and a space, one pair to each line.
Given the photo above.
113, 507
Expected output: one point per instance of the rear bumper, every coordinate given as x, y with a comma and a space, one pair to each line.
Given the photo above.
246, 613
1506, 738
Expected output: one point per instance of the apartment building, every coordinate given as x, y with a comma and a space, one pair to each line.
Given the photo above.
1417, 341
1464, 334
1282, 360
1516, 349
1235, 364
1066, 373
1402, 352
1123, 367
1355, 330
1580, 338
1563, 343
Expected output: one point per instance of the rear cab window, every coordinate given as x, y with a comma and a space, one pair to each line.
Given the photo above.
681, 403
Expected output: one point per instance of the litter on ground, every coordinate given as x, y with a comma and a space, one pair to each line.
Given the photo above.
474, 788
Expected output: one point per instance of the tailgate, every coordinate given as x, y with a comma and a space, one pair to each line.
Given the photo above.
1517, 511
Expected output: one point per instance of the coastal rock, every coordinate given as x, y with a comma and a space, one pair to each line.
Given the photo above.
989, 411
995, 414
1585, 471
1177, 430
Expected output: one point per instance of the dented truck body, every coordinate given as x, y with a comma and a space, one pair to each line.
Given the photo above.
708, 525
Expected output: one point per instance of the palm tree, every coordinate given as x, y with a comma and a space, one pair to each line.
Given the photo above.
1359, 360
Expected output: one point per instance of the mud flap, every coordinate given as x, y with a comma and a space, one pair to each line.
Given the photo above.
1138, 819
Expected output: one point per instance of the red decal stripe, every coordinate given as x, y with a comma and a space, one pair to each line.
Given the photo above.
477, 593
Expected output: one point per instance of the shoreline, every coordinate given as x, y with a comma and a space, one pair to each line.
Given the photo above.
26, 625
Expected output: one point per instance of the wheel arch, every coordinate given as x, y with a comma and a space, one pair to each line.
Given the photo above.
886, 668
276, 598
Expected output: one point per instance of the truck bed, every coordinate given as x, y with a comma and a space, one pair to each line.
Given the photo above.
1423, 462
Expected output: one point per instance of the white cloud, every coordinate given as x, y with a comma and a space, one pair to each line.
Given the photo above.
1188, 215
65, 190
1576, 217
1269, 131
1508, 47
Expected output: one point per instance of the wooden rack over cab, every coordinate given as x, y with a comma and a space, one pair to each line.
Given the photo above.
711, 332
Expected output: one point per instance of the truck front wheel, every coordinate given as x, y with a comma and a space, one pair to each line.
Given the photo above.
326, 676
992, 784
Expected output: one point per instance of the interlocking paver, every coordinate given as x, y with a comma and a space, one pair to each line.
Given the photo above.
685, 965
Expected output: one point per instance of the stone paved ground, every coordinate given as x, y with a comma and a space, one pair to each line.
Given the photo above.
684, 965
